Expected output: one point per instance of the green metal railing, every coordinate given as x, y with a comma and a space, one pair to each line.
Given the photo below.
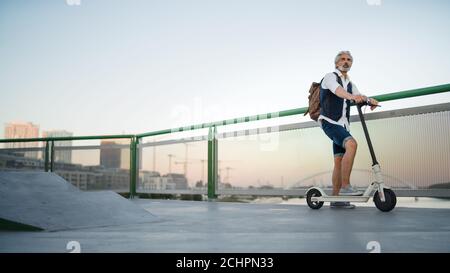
212, 135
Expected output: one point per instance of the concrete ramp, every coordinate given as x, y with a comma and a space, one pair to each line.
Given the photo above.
45, 201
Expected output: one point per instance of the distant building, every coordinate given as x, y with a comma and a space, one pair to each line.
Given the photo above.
64, 156
118, 179
23, 130
154, 181
149, 180
97, 178
176, 181
115, 154
81, 179
13, 161
110, 154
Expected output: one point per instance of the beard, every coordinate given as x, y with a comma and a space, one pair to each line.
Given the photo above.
344, 68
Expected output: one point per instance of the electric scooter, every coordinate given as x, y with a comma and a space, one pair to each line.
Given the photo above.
384, 198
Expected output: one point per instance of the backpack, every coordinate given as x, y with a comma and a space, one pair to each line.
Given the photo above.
314, 101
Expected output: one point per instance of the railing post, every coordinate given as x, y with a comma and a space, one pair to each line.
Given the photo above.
52, 155
133, 166
46, 156
212, 162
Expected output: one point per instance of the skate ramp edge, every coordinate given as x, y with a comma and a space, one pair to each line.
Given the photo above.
35, 201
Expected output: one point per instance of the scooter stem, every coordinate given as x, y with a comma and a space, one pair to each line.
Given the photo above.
366, 133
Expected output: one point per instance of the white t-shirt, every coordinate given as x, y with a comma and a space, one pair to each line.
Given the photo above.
330, 82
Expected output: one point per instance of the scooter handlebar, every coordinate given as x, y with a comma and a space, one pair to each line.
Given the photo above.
367, 102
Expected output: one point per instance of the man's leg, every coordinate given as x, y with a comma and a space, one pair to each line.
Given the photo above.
344, 148
347, 161
337, 175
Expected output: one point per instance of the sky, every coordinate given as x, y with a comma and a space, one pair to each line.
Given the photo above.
95, 67
112, 67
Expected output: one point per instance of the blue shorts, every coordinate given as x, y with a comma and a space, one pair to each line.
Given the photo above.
338, 135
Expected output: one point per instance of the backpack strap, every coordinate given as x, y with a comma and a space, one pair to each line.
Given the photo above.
339, 80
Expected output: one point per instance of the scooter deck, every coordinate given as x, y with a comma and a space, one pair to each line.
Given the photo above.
340, 198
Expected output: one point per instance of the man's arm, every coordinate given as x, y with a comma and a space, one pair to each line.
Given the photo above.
340, 92
373, 102
329, 82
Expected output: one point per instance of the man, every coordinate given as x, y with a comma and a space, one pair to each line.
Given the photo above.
336, 92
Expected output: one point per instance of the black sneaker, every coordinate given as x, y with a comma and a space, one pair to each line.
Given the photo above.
342, 205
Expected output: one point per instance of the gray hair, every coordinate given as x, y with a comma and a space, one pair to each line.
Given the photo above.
341, 53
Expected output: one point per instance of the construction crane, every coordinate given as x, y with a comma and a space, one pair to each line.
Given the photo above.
227, 177
184, 163
170, 162
203, 161
186, 160
219, 163
154, 152
203, 169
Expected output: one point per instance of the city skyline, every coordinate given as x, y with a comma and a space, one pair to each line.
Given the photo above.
243, 163
36, 133
22, 130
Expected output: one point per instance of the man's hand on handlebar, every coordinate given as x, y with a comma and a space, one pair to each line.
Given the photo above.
360, 99
373, 103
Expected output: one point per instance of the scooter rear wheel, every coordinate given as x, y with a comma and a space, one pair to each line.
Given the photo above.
390, 200
314, 204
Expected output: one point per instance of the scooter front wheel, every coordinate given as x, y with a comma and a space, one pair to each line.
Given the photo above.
388, 204
314, 204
